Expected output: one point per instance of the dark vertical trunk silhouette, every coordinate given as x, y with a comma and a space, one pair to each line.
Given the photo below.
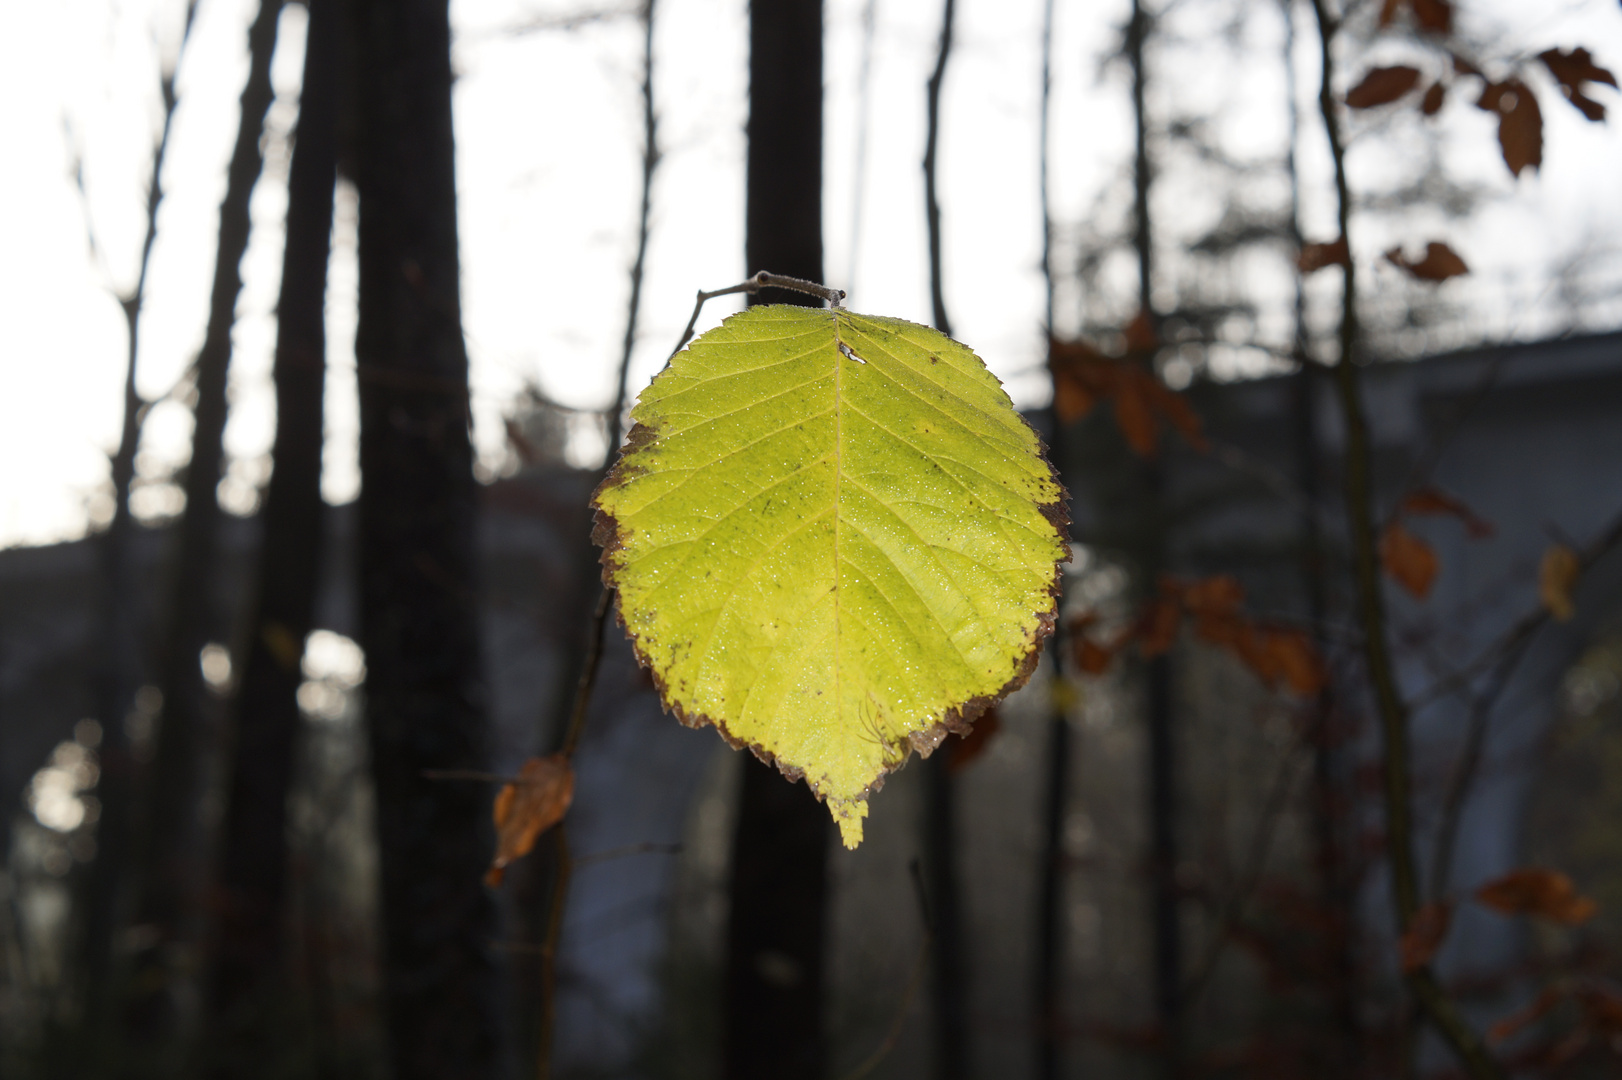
170, 861
1337, 886
246, 958
1050, 954
1162, 766
951, 1049
424, 693
120, 660
774, 966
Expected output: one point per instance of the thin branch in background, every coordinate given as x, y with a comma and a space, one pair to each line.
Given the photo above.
864, 116
1043, 164
1465, 770
951, 1035
1428, 994
932, 208
563, 866
119, 663
1261, 842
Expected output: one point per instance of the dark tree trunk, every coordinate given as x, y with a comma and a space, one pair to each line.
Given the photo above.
1162, 749
774, 972
425, 698
120, 666
245, 960
951, 1049
170, 863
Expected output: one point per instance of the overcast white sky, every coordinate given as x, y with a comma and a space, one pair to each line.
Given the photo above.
548, 135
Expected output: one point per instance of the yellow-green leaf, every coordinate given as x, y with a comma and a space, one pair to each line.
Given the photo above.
834, 539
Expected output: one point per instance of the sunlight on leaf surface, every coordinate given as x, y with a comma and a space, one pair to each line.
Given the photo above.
834, 539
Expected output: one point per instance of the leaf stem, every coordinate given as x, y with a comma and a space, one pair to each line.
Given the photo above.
753, 285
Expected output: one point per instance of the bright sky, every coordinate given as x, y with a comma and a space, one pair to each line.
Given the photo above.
548, 133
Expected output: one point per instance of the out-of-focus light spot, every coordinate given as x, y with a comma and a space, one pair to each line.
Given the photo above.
53, 793
215, 660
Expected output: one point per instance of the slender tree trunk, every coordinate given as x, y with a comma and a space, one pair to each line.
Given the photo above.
774, 967
120, 660
170, 863
424, 691
951, 1050
1162, 752
246, 958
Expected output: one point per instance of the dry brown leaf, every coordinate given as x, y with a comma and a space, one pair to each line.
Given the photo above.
1092, 658
1426, 932
1433, 15
526, 808
1573, 69
1388, 12
1297, 661
1440, 262
1539, 1007
1557, 576
1435, 97
1382, 86
1520, 123
1317, 256
1410, 561
1433, 500
1134, 414
1082, 376
968, 747
1140, 335
1538, 891
1221, 594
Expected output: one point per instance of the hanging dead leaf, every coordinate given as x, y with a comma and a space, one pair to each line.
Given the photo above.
526, 808
1382, 86
1157, 628
1426, 932
1410, 561
1520, 123
1388, 12
1250, 645
1135, 415
1557, 576
1298, 661
1538, 891
1140, 335
1435, 97
1433, 500
1571, 70
965, 749
1174, 407
1521, 1018
1433, 15
1317, 256
1440, 262
1092, 658
1082, 376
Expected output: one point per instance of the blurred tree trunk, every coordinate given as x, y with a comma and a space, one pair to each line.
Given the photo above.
425, 698
120, 666
170, 857
245, 963
950, 1034
774, 967
1162, 750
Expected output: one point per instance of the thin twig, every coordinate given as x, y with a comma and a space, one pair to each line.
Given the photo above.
1442, 1012
646, 848
760, 281
1255, 862
932, 206
605, 596
1466, 768
1517, 635
898, 1023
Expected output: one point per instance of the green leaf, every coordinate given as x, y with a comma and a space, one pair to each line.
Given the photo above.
835, 540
